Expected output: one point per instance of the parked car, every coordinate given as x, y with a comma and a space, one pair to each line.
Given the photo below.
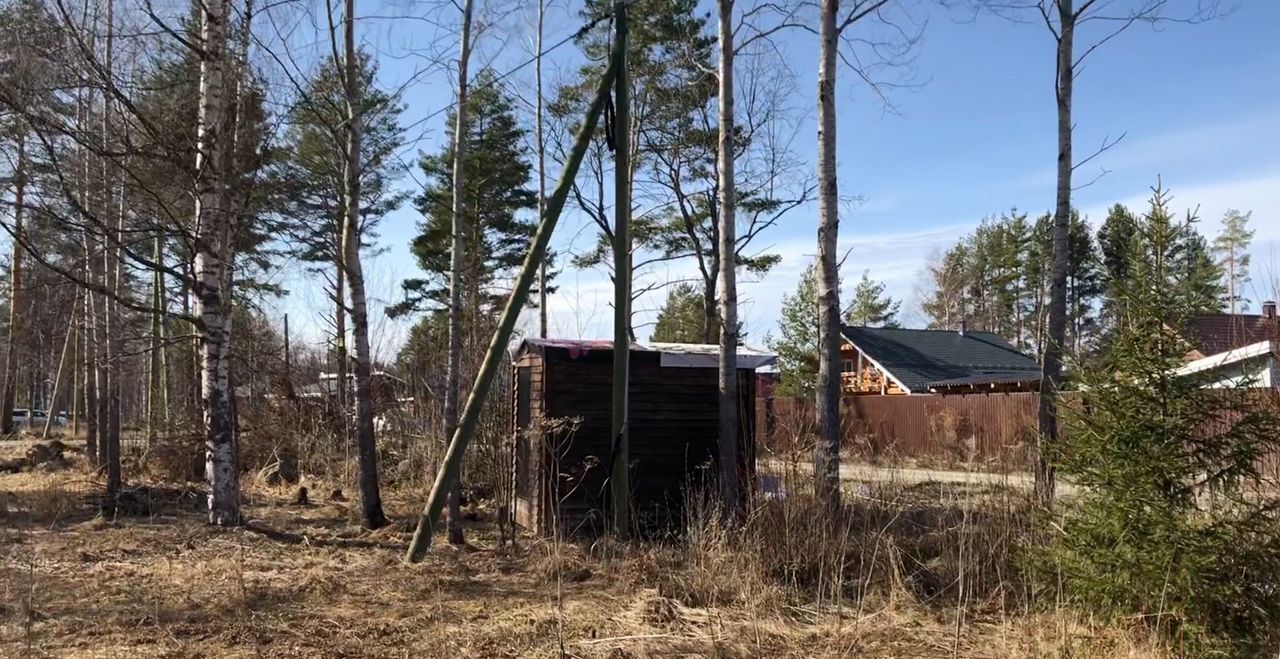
37, 418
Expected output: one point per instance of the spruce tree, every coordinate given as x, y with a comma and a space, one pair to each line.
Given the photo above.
1196, 275
309, 180
498, 225
870, 306
681, 317
1170, 525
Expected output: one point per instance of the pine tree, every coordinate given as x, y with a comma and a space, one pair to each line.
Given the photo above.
498, 195
310, 176
797, 342
1232, 249
870, 306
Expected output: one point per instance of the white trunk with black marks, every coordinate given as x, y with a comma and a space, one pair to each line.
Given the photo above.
1051, 378
731, 477
826, 459
452, 374
17, 301
370, 496
212, 260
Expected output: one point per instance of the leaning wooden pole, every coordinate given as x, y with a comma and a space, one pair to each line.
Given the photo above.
448, 473
52, 407
620, 479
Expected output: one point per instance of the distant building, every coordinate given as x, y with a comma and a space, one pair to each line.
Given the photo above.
895, 361
1234, 349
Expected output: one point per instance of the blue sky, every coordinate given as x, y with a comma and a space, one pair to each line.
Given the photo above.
1199, 107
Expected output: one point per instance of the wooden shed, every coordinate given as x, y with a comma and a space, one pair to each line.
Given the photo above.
562, 408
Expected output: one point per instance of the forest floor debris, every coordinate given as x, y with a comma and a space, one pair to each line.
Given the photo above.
305, 581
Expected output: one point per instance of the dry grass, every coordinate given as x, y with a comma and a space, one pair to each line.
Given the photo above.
304, 582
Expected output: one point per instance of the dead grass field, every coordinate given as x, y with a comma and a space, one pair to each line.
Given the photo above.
305, 581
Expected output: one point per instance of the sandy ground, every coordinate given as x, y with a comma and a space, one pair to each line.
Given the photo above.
303, 581
865, 473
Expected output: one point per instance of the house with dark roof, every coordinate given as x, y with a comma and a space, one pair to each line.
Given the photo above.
890, 360
1232, 350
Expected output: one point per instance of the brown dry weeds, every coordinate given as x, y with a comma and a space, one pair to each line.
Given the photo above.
305, 582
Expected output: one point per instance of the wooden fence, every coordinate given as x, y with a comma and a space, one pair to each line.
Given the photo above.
992, 429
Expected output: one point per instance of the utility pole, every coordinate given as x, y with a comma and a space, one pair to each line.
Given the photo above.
447, 476
620, 481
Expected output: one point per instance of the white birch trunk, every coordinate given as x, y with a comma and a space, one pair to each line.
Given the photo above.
212, 261
826, 462
730, 473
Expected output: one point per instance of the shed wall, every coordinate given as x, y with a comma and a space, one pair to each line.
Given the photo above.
673, 430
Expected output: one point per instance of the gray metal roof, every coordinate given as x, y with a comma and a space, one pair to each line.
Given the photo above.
678, 355
918, 358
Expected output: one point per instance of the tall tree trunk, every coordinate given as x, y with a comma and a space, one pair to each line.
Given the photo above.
340, 324
213, 259
109, 385
826, 459
731, 477
1051, 379
456, 261
154, 366
370, 498
17, 301
76, 380
90, 358
710, 299
111, 438
542, 168
620, 460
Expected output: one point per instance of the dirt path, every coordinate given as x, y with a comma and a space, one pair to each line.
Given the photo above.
865, 473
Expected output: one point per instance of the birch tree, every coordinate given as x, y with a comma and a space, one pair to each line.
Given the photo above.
214, 226
1062, 19
835, 26
730, 485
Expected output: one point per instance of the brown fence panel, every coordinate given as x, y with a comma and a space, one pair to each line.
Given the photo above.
983, 430
992, 428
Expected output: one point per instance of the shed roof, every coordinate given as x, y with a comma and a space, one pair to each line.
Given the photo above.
917, 359
676, 355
